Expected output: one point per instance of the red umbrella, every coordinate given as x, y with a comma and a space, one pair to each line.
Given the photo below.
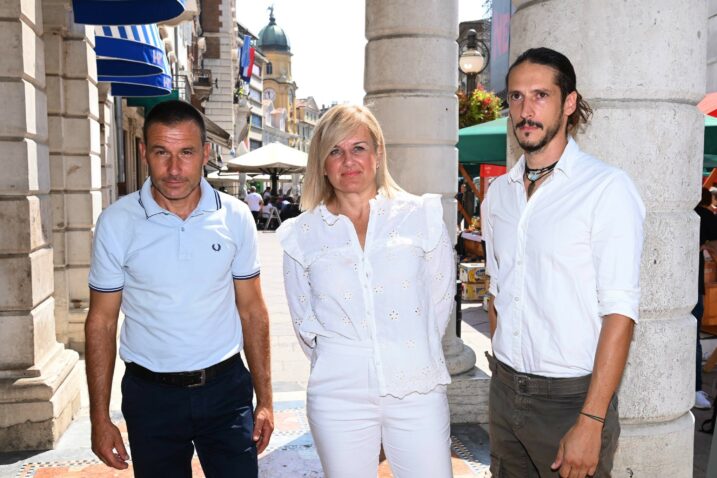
708, 105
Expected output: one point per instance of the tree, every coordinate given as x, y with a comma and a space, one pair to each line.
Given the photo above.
479, 107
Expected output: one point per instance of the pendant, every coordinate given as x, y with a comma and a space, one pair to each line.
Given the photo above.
533, 176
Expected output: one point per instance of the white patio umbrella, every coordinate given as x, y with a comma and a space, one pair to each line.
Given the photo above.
273, 159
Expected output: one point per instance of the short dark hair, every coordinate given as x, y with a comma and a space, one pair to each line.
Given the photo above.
564, 77
172, 112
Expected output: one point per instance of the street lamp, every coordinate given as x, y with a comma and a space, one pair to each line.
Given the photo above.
473, 59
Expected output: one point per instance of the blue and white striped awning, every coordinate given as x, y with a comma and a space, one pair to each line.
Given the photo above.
132, 58
136, 86
125, 12
129, 50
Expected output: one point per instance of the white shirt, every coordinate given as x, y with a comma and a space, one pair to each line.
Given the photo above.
561, 261
176, 277
254, 201
396, 294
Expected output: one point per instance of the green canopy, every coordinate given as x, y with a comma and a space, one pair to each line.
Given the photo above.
483, 143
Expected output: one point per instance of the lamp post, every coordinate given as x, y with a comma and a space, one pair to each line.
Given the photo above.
473, 59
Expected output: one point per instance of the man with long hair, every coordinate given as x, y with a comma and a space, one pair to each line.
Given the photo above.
563, 232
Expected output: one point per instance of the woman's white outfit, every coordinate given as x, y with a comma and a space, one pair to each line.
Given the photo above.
372, 321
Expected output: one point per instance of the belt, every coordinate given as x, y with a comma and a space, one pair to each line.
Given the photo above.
529, 384
195, 378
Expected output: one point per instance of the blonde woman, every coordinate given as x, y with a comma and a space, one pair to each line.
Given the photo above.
369, 275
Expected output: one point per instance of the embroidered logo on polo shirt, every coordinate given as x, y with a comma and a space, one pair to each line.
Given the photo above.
217, 247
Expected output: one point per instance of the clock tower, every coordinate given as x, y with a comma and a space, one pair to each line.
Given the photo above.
279, 86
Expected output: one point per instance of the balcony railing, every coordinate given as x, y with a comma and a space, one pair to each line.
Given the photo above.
182, 85
202, 78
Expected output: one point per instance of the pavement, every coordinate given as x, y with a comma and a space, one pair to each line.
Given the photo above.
291, 453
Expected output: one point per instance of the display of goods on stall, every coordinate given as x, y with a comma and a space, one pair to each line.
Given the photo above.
474, 279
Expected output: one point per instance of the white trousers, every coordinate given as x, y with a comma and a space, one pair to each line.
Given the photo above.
349, 420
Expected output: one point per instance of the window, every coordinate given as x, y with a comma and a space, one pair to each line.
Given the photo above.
256, 120
269, 68
255, 95
254, 144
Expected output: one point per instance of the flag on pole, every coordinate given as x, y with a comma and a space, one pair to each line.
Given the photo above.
246, 59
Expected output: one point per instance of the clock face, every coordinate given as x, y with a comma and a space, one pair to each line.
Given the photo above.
269, 94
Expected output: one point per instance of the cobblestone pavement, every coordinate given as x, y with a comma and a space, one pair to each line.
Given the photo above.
291, 452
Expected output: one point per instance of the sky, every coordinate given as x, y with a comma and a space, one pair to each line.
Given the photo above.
327, 40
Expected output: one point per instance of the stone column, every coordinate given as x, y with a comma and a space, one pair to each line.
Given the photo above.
74, 140
641, 65
712, 46
411, 77
108, 145
39, 380
220, 58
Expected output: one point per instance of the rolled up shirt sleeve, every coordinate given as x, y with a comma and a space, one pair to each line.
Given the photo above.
617, 239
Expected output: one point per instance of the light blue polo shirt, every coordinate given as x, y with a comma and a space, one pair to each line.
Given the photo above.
176, 277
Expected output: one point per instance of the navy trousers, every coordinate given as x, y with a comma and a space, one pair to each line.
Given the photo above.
165, 423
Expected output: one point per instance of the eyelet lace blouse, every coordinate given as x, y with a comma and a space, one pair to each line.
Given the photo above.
396, 293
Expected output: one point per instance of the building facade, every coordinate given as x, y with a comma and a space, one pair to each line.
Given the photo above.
279, 86
307, 114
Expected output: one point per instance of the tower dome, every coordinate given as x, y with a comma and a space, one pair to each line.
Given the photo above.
272, 37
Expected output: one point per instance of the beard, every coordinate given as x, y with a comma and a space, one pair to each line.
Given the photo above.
550, 132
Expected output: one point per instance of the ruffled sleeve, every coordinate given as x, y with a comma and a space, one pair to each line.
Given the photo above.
289, 242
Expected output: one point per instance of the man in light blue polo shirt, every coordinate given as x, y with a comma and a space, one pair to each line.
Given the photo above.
180, 260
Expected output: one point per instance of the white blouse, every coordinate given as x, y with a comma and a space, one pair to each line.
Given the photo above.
396, 293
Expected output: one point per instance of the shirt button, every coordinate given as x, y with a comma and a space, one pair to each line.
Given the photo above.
182, 229
516, 333
517, 299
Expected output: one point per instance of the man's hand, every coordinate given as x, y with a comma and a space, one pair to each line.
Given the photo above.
579, 450
263, 426
107, 444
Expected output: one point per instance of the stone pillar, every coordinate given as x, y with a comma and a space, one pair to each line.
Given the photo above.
39, 380
411, 77
712, 46
74, 140
221, 58
108, 145
641, 65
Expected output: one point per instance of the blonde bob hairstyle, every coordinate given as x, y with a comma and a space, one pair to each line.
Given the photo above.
335, 126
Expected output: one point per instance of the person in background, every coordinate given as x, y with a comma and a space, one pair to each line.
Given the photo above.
180, 260
255, 202
708, 233
370, 280
468, 201
563, 233
713, 203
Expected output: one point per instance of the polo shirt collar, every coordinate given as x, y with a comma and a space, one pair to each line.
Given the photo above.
208, 202
565, 163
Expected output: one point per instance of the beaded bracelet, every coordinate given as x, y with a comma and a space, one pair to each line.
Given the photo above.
594, 417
